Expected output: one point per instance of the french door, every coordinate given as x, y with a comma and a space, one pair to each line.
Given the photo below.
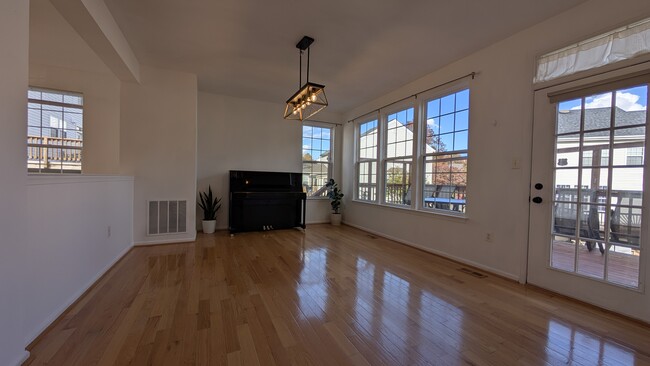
588, 219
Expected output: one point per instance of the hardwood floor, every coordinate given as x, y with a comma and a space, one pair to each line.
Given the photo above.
329, 296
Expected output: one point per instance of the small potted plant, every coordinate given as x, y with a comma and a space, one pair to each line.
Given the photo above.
335, 195
210, 205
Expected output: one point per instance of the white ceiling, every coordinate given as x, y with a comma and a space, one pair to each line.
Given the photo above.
363, 48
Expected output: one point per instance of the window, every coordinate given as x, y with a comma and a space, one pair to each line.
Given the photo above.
367, 135
445, 152
54, 131
398, 157
317, 142
634, 156
416, 160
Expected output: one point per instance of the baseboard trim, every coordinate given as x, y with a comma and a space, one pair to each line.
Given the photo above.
439, 253
56, 316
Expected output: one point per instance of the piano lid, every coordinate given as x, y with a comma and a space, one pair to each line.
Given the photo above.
257, 181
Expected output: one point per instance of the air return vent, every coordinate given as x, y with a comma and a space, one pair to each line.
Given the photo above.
472, 273
166, 217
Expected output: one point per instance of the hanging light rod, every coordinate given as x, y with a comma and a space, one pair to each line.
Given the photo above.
310, 97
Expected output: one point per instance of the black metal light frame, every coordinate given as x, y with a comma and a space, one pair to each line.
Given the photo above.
310, 97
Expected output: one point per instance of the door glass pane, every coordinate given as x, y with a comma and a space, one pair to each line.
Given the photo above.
631, 106
623, 265
599, 175
591, 261
566, 179
569, 116
629, 146
567, 151
598, 112
625, 225
595, 150
564, 253
594, 185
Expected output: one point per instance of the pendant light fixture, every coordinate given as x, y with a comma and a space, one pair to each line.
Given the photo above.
310, 98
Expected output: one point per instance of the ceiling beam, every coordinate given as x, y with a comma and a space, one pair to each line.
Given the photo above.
96, 25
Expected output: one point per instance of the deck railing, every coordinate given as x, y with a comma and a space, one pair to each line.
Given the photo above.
53, 153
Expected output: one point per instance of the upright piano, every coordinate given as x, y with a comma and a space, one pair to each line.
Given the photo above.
265, 201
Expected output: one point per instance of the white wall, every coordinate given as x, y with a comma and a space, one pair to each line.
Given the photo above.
68, 240
158, 145
60, 59
500, 132
14, 41
244, 134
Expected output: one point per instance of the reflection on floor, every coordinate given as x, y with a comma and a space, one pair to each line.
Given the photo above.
329, 296
622, 266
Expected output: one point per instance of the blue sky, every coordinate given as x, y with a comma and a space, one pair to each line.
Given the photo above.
315, 140
631, 99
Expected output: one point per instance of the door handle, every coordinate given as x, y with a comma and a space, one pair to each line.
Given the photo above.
537, 200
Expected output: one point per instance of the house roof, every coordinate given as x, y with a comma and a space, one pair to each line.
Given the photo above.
599, 118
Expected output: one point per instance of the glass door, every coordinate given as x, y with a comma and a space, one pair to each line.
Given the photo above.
588, 179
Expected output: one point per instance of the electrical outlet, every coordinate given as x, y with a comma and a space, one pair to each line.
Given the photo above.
108, 231
489, 237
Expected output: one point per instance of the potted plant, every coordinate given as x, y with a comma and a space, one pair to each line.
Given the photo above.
335, 195
210, 205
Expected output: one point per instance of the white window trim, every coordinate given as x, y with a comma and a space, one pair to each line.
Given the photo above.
60, 104
422, 155
384, 159
417, 183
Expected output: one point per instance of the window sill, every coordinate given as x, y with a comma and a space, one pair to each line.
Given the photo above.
43, 178
418, 212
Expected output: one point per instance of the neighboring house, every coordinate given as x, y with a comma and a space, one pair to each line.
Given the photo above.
623, 160
399, 187
315, 183
627, 149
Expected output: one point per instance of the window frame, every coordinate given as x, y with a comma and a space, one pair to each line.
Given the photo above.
417, 170
423, 155
330, 162
372, 117
56, 147
384, 160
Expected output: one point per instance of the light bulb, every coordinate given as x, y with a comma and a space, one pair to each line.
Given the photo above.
313, 97
308, 103
295, 111
303, 106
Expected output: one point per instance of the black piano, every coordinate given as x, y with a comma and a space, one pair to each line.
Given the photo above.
265, 201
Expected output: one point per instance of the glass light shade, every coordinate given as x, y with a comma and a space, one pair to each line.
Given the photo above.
306, 102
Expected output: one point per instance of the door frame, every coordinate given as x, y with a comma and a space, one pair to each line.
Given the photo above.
617, 298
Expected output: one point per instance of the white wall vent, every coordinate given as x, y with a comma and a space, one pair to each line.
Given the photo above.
166, 217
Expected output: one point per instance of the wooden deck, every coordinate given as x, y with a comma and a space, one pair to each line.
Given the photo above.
622, 268
328, 296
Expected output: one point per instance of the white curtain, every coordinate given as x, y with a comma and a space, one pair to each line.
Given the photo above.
620, 44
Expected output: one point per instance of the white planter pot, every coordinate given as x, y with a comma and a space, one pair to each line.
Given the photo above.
209, 226
335, 219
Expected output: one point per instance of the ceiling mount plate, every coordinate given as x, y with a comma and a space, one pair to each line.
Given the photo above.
304, 43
